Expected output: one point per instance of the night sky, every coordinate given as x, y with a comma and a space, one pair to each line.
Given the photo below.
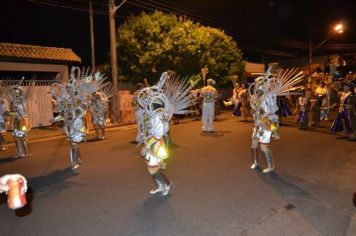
276, 29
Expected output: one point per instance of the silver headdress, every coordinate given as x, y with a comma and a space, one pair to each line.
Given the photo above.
170, 96
73, 97
266, 88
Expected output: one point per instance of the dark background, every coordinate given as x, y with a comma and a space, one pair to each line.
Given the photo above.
264, 30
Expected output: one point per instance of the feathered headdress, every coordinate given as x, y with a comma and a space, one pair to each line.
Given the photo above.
177, 91
84, 83
282, 84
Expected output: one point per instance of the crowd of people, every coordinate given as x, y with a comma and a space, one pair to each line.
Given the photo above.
318, 100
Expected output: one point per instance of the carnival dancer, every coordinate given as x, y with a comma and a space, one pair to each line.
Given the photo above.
20, 119
3, 113
283, 108
342, 121
138, 111
322, 100
320, 94
243, 97
208, 93
264, 106
73, 99
302, 120
352, 111
98, 108
235, 100
170, 96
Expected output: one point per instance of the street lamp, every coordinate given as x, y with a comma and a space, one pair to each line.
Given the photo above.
338, 28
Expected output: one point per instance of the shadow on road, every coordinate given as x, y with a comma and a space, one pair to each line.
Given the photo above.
91, 140
220, 119
8, 159
52, 183
150, 216
215, 134
285, 187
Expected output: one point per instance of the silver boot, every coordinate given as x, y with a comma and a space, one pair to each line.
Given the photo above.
167, 185
18, 148
75, 156
102, 134
159, 184
25, 148
254, 153
97, 133
268, 157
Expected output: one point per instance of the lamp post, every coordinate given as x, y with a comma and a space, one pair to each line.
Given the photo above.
338, 28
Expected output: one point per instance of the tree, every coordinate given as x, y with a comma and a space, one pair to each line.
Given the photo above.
149, 44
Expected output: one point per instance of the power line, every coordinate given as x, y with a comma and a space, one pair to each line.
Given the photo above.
185, 11
209, 21
55, 4
139, 5
184, 8
67, 6
184, 14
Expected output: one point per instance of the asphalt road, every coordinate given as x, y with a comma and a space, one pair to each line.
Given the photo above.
214, 190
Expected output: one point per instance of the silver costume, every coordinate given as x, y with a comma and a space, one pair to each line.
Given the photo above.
73, 100
3, 113
98, 108
21, 123
170, 96
264, 105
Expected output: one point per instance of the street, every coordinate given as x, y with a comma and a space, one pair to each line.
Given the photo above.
214, 190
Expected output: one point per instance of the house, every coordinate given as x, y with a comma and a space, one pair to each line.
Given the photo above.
45, 64
36, 59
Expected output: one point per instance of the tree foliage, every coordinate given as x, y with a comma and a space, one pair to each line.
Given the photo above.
149, 44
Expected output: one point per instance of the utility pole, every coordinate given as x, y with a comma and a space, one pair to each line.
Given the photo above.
113, 53
91, 22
